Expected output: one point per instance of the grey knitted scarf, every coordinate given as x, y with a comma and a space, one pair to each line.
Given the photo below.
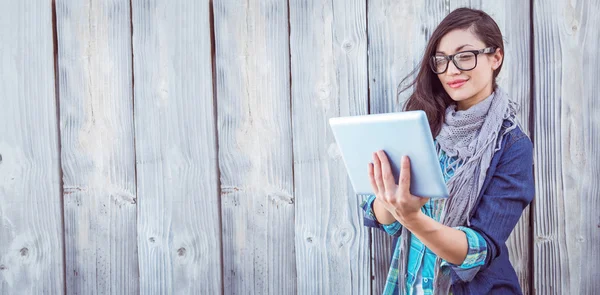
471, 135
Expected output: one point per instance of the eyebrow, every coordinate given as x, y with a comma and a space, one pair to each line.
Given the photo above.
457, 48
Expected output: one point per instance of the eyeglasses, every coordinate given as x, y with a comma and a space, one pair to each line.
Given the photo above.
464, 60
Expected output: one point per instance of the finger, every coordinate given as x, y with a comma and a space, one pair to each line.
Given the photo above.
405, 173
372, 179
386, 172
377, 173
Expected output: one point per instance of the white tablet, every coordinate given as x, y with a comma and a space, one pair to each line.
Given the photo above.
398, 134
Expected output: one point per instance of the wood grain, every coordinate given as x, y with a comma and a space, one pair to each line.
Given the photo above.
31, 238
238, 127
178, 218
329, 79
567, 129
97, 146
255, 146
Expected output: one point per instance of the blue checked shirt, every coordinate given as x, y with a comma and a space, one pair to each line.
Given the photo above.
421, 260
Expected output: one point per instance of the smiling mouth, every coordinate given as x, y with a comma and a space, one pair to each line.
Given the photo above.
457, 84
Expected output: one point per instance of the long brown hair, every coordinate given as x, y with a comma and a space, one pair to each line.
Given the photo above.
429, 94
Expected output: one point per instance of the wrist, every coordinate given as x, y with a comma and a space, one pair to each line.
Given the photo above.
382, 215
413, 221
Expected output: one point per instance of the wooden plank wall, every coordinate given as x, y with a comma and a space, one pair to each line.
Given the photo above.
567, 157
31, 231
255, 146
97, 148
178, 237
183, 146
328, 46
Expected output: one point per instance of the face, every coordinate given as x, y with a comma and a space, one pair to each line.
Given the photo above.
467, 88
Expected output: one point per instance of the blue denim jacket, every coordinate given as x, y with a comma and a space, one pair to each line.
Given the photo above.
508, 188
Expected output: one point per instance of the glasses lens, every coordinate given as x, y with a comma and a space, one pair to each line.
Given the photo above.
438, 64
465, 61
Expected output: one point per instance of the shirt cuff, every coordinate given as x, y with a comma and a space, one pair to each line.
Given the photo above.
367, 206
393, 229
476, 255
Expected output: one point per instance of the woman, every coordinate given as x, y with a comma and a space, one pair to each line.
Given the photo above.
458, 245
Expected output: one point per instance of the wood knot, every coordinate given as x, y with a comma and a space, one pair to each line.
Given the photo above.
309, 239
348, 46
343, 237
0, 158
24, 251
2, 267
181, 251
151, 239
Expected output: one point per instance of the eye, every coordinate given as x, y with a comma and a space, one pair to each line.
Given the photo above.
439, 60
466, 56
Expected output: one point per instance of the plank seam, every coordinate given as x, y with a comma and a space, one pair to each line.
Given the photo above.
135, 179
531, 248
59, 143
211, 20
370, 231
292, 128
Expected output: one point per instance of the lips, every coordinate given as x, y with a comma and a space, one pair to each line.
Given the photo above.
457, 83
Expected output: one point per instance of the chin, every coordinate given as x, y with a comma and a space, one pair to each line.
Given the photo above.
458, 94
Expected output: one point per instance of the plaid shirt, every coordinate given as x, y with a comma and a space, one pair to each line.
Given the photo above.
421, 260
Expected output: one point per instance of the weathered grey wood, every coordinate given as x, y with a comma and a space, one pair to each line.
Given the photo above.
567, 157
382, 247
178, 217
398, 34
31, 240
392, 57
96, 122
513, 18
328, 46
255, 146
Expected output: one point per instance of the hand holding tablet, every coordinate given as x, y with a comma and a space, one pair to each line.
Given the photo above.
395, 198
398, 134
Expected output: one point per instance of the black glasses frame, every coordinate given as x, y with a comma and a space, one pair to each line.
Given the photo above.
450, 57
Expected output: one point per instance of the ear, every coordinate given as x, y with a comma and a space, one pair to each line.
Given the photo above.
497, 58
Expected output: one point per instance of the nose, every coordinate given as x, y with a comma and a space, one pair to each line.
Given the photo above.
452, 69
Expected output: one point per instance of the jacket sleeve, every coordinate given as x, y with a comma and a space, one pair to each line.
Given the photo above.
394, 229
510, 190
